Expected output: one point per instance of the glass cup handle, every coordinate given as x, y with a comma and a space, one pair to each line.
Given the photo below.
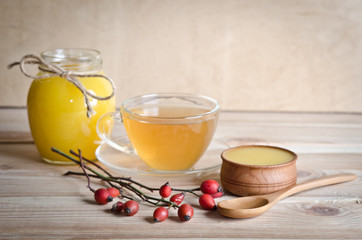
105, 127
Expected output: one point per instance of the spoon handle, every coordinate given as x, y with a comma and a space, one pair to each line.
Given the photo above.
319, 182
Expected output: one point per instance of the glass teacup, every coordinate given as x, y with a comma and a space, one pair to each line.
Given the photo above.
168, 131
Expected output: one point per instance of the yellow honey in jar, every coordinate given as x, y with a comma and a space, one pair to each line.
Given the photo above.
56, 107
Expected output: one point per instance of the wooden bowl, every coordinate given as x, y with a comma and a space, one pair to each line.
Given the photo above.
244, 179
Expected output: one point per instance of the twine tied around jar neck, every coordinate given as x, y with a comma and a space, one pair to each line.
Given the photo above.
72, 76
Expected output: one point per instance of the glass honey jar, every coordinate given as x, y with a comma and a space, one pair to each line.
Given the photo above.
59, 112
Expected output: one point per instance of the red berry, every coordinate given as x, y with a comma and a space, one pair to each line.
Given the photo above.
185, 212
177, 198
160, 214
210, 187
117, 207
114, 192
207, 202
102, 196
131, 208
165, 190
217, 195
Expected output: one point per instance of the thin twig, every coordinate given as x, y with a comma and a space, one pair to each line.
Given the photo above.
99, 167
188, 190
91, 162
85, 172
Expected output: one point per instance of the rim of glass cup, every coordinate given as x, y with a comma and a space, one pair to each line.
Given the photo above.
213, 110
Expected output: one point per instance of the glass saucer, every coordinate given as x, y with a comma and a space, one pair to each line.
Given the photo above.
132, 164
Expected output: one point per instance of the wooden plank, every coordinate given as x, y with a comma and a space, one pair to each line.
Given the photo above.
305, 219
15, 137
303, 133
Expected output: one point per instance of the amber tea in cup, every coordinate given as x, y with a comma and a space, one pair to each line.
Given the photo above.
167, 131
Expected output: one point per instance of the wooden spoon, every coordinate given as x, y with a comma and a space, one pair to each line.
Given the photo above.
252, 206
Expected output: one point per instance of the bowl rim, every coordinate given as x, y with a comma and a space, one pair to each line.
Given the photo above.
294, 159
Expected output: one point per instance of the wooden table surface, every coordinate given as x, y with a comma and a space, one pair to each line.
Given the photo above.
38, 202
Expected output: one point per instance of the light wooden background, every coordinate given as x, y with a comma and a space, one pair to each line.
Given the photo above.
272, 55
38, 202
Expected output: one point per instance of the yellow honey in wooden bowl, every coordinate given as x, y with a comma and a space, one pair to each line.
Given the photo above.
259, 155
256, 169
